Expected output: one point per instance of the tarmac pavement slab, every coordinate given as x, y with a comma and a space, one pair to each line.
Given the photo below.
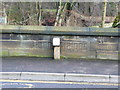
80, 66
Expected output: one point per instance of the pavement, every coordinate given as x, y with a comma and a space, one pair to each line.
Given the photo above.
25, 64
24, 68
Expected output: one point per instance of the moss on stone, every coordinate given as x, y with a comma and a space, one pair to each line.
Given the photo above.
4, 53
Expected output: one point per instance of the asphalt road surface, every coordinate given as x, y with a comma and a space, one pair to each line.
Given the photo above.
24, 64
53, 84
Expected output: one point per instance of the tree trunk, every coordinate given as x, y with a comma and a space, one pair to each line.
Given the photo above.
104, 13
39, 14
5, 16
58, 14
68, 14
68, 22
62, 16
117, 9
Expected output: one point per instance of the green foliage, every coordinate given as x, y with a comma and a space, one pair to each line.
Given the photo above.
112, 4
117, 19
